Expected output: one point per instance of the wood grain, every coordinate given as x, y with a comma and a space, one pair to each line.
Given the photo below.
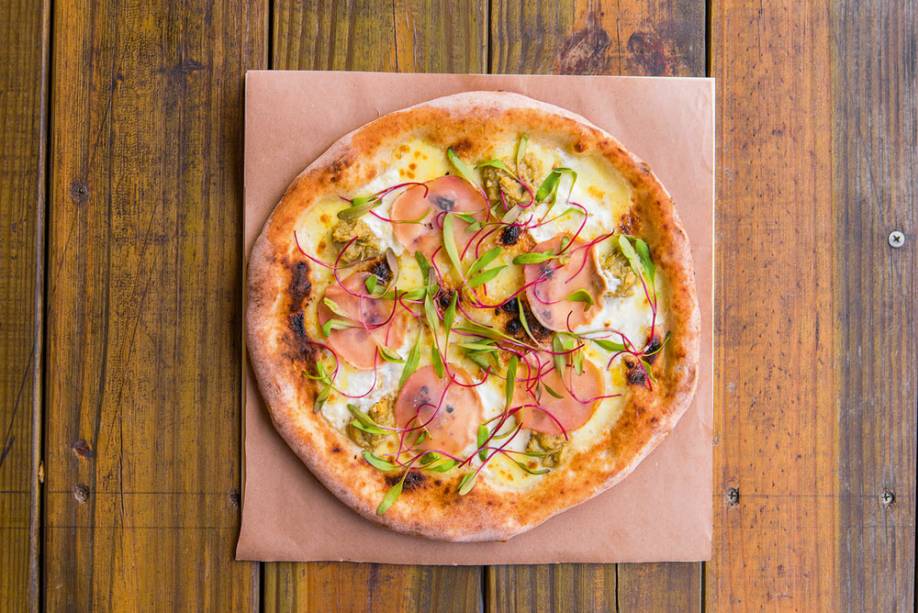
775, 548
143, 382
23, 124
398, 35
876, 153
664, 37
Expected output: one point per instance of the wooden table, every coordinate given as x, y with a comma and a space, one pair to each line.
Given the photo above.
120, 266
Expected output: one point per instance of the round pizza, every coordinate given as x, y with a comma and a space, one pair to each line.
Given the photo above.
472, 314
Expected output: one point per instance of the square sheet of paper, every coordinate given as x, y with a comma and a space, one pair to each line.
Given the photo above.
662, 511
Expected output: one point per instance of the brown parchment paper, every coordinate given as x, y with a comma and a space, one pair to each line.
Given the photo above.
662, 512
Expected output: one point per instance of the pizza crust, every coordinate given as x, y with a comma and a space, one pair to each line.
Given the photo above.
433, 508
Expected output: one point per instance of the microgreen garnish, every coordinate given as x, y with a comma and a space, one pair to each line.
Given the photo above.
430, 312
467, 483
644, 252
524, 467
389, 356
523, 320
534, 258
581, 295
551, 391
377, 462
449, 315
360, 206
423, 264
391, 496
437, 361
371, 283
449, 242
521, 150
510, 384
484, 276
481, 440
486, 258
630, 254
334, 308
462, 169
335, 324
496, 164
548, 190
411, 362
608, 345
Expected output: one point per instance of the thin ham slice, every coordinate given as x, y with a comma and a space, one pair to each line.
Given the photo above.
456, 410
357, 345
558, 279
446, 194
571, 411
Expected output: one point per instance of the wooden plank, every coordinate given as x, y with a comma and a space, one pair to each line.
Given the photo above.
338, 586
398, 35
660, 38
23, 122
876, 152
776, 341
143, 379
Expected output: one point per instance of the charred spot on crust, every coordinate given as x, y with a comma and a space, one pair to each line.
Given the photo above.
336, 449
636, 375
380, 269
652, 350
579, 146
300, 285
509, 235
296, 325
462, 146
413, 480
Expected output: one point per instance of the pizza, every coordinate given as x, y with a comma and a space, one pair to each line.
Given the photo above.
472, 314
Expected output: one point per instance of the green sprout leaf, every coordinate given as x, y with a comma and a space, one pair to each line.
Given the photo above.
610, 346
423, 264
481, 440
631, 255
411, 362
467, 483
496, 164
359, 207
364, 422
510, 384
548, 190
389, 356
378, 463
484, 276
581, 295
334, 324
391, 496
449, 242
552, 391
534, 258
437, 361
449, 315
522, 311
486, 258
335, 308
644, 252
430, 313
371, 283
531, 471
462, 169
521, 149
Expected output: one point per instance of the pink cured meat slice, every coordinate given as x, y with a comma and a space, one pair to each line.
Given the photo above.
548, 298
357, 345
446, 194
456, 410
570, 411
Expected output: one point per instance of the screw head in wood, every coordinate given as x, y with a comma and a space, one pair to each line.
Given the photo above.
896, 239
733, 496
888, 497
